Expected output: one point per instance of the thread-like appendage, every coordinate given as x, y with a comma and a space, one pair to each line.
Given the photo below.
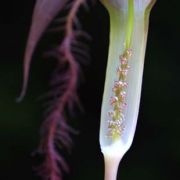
118, 100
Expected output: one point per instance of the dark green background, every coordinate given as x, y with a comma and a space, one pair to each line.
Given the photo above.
155, 153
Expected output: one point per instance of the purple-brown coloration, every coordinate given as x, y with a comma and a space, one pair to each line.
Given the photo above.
55, 131
44, 12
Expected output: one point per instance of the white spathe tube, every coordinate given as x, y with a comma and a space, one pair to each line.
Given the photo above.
113, 150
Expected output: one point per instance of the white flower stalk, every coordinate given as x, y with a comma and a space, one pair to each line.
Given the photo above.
120, 106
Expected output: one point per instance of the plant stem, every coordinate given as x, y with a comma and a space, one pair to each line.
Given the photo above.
111, 167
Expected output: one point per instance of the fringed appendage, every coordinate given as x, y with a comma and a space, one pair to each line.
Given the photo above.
55, 131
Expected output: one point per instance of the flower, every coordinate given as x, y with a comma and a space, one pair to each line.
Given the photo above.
128, 35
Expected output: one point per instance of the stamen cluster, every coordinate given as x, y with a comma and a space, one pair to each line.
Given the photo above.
116, 121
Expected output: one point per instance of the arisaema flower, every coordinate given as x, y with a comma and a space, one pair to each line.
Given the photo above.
120, 106
128, 34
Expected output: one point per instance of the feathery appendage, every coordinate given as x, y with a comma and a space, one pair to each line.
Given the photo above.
55, 131
120, 106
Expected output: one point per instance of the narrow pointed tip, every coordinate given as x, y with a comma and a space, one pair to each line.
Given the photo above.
20, 97
22, 92
26, 68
